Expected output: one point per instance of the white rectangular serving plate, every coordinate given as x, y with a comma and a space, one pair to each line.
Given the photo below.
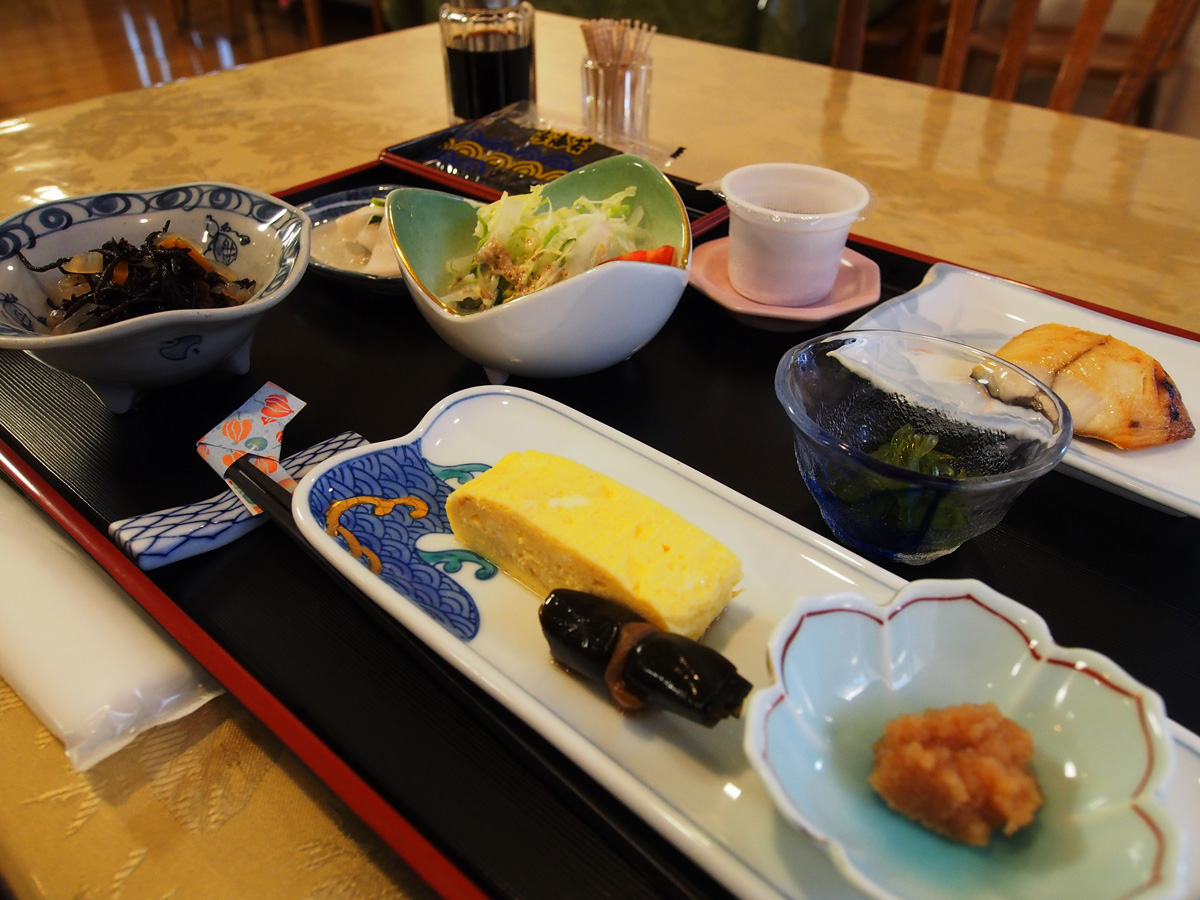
691, 783
985, 312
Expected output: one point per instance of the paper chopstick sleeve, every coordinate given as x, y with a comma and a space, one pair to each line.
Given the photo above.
87, 660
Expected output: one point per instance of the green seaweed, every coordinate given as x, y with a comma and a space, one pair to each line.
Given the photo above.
917, 452
908, 507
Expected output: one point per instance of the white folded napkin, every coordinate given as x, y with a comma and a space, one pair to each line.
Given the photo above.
89, 662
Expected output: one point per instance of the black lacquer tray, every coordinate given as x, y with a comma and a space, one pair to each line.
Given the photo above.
476, 800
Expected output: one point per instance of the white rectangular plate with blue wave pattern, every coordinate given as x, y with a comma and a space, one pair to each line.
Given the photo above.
383, 506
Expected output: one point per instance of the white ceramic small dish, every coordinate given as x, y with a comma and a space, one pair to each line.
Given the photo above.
845, 666
329, 255
579, 325
256, 235
985, 311
856, 287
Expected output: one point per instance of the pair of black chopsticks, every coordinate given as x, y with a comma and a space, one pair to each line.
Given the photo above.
272, 497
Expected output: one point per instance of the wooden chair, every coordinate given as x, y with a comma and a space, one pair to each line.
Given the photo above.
312, 12
312, 15
1137, 63
894, 45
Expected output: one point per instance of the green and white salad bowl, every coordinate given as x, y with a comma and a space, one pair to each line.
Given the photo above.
581, 324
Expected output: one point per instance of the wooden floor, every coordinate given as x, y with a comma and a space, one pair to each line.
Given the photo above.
60, 51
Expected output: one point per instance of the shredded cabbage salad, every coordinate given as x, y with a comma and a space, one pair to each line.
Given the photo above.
526, 244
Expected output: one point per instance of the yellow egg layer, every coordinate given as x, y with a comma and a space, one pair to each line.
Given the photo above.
552, 523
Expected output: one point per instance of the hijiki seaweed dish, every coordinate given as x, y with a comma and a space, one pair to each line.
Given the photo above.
121, 280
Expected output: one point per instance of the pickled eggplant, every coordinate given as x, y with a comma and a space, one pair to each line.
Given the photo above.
640, 664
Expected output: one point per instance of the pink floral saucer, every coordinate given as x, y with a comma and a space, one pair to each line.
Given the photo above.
856, 287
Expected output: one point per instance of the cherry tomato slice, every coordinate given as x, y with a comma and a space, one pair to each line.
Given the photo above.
664, 255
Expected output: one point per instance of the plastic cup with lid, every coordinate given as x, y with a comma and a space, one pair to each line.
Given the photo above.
788, 225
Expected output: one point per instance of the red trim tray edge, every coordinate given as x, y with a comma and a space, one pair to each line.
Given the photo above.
425, 859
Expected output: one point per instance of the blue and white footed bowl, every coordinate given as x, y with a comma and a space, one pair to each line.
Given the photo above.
254, 234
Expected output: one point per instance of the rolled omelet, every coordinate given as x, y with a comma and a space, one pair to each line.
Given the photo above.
552, 523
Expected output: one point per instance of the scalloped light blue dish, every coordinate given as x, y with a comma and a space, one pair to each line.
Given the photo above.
1102, 752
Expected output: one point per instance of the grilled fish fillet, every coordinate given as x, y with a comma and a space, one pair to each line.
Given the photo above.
1116, 392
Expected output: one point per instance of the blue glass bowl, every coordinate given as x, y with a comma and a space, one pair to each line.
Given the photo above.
848, 393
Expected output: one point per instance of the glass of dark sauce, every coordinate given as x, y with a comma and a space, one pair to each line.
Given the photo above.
487, 47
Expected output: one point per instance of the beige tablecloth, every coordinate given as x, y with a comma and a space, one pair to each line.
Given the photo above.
210, 806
